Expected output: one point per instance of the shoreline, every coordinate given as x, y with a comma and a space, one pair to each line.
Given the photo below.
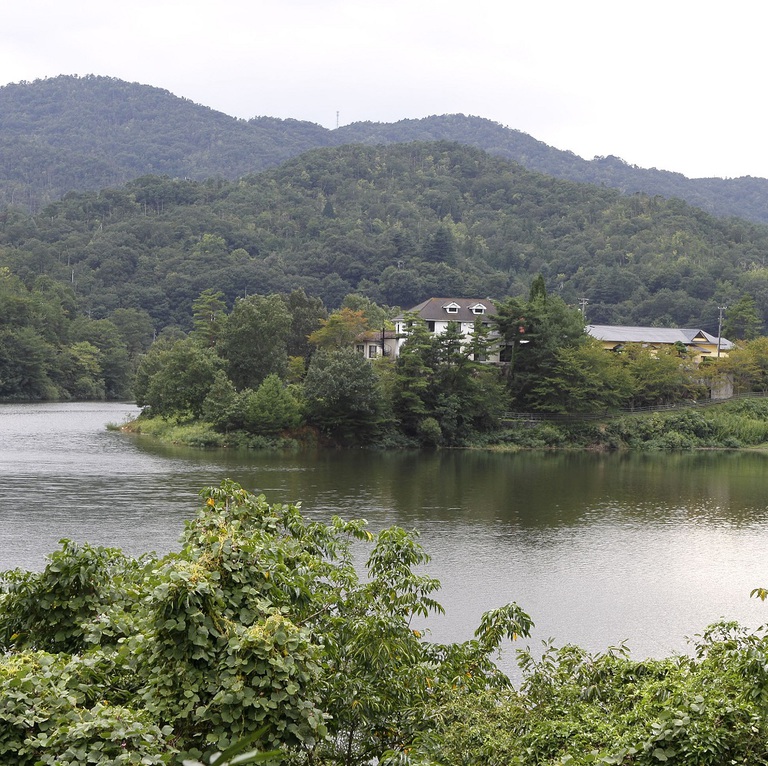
732, 425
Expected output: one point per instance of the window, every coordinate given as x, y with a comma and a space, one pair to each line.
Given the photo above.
360, 348
452, 309
431, 326
373, 352
478, 308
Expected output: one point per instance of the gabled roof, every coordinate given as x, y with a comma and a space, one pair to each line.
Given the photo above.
654, 335
465, 309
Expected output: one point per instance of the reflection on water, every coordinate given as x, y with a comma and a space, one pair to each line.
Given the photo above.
598, 548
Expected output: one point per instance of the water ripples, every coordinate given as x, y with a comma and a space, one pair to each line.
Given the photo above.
597, 548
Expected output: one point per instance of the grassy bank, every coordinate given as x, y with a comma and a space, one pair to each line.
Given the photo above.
199, 433
732, 425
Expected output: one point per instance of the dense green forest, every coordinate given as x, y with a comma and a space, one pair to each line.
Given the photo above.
397, 224
391, 224
84, 133
73, 134
49, 349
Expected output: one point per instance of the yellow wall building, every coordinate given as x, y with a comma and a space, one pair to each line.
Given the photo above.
700, 344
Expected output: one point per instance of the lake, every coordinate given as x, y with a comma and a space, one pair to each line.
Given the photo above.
598, 549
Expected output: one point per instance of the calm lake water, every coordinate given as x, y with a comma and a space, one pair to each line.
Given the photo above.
599, 549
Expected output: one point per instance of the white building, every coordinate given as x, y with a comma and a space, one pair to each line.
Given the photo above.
439, 313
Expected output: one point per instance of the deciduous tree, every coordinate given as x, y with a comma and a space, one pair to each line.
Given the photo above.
176, 378
254, 340
340, 329
259, 629
342, 395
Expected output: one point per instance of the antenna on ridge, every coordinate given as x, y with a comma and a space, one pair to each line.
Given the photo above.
337, 119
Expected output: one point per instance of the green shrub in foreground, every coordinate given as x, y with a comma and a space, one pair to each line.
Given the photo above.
574, 708
260, 623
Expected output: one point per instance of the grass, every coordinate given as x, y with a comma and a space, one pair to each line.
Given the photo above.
198, 433
731, 425
174, 431
741, 424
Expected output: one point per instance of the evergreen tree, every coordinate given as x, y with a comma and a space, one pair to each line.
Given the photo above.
414, 369
533, 333
306, 314
584, 378
270, 408
223, 406
208, 315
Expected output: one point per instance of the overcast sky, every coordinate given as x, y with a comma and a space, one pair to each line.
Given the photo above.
677, 85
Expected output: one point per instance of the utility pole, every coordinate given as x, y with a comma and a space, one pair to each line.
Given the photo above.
583, 303
720, 309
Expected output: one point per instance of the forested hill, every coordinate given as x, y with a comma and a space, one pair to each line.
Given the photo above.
398, 224
84, 133
742, 197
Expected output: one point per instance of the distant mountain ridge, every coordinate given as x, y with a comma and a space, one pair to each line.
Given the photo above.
72, 133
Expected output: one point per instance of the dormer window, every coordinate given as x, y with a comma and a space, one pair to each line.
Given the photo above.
478, 308
452, 308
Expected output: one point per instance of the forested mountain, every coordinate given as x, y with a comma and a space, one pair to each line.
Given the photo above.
742, 197
84, 133
397, 224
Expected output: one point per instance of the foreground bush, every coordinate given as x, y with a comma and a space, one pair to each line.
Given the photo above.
259, 627
260, 633
708, 709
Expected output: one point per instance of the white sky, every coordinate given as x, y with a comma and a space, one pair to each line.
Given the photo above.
672, 84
